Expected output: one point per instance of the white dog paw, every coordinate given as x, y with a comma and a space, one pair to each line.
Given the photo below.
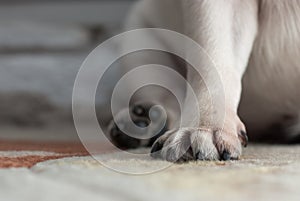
140, 116
199, 144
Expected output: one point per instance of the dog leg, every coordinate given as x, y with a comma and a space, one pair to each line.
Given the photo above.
226, 30
148, 14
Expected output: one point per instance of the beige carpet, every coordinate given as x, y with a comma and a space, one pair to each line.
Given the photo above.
264, 173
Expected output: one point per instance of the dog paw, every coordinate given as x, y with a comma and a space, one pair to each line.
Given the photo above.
120, 129
199, 144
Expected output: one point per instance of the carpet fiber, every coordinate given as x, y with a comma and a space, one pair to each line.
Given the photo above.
264, 173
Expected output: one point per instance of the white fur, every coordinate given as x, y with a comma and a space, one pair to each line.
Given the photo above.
256, 47
261, 37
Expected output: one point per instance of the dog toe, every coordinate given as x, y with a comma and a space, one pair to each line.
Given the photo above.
197, 144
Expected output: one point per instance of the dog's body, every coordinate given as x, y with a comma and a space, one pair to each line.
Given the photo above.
256, 46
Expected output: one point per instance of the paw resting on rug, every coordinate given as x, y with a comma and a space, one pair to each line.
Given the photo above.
199, 144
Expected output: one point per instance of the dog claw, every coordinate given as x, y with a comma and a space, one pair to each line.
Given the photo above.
156, 149
244, 138
226, 156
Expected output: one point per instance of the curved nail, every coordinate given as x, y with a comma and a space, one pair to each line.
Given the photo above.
226, 156
244, 138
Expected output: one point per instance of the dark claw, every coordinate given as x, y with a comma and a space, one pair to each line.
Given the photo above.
244, 138
188, 156
155, 150
226, 156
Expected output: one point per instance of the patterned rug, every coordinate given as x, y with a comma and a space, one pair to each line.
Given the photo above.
56, 171
15, 154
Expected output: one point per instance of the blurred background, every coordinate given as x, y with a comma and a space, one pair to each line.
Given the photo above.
42, 46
